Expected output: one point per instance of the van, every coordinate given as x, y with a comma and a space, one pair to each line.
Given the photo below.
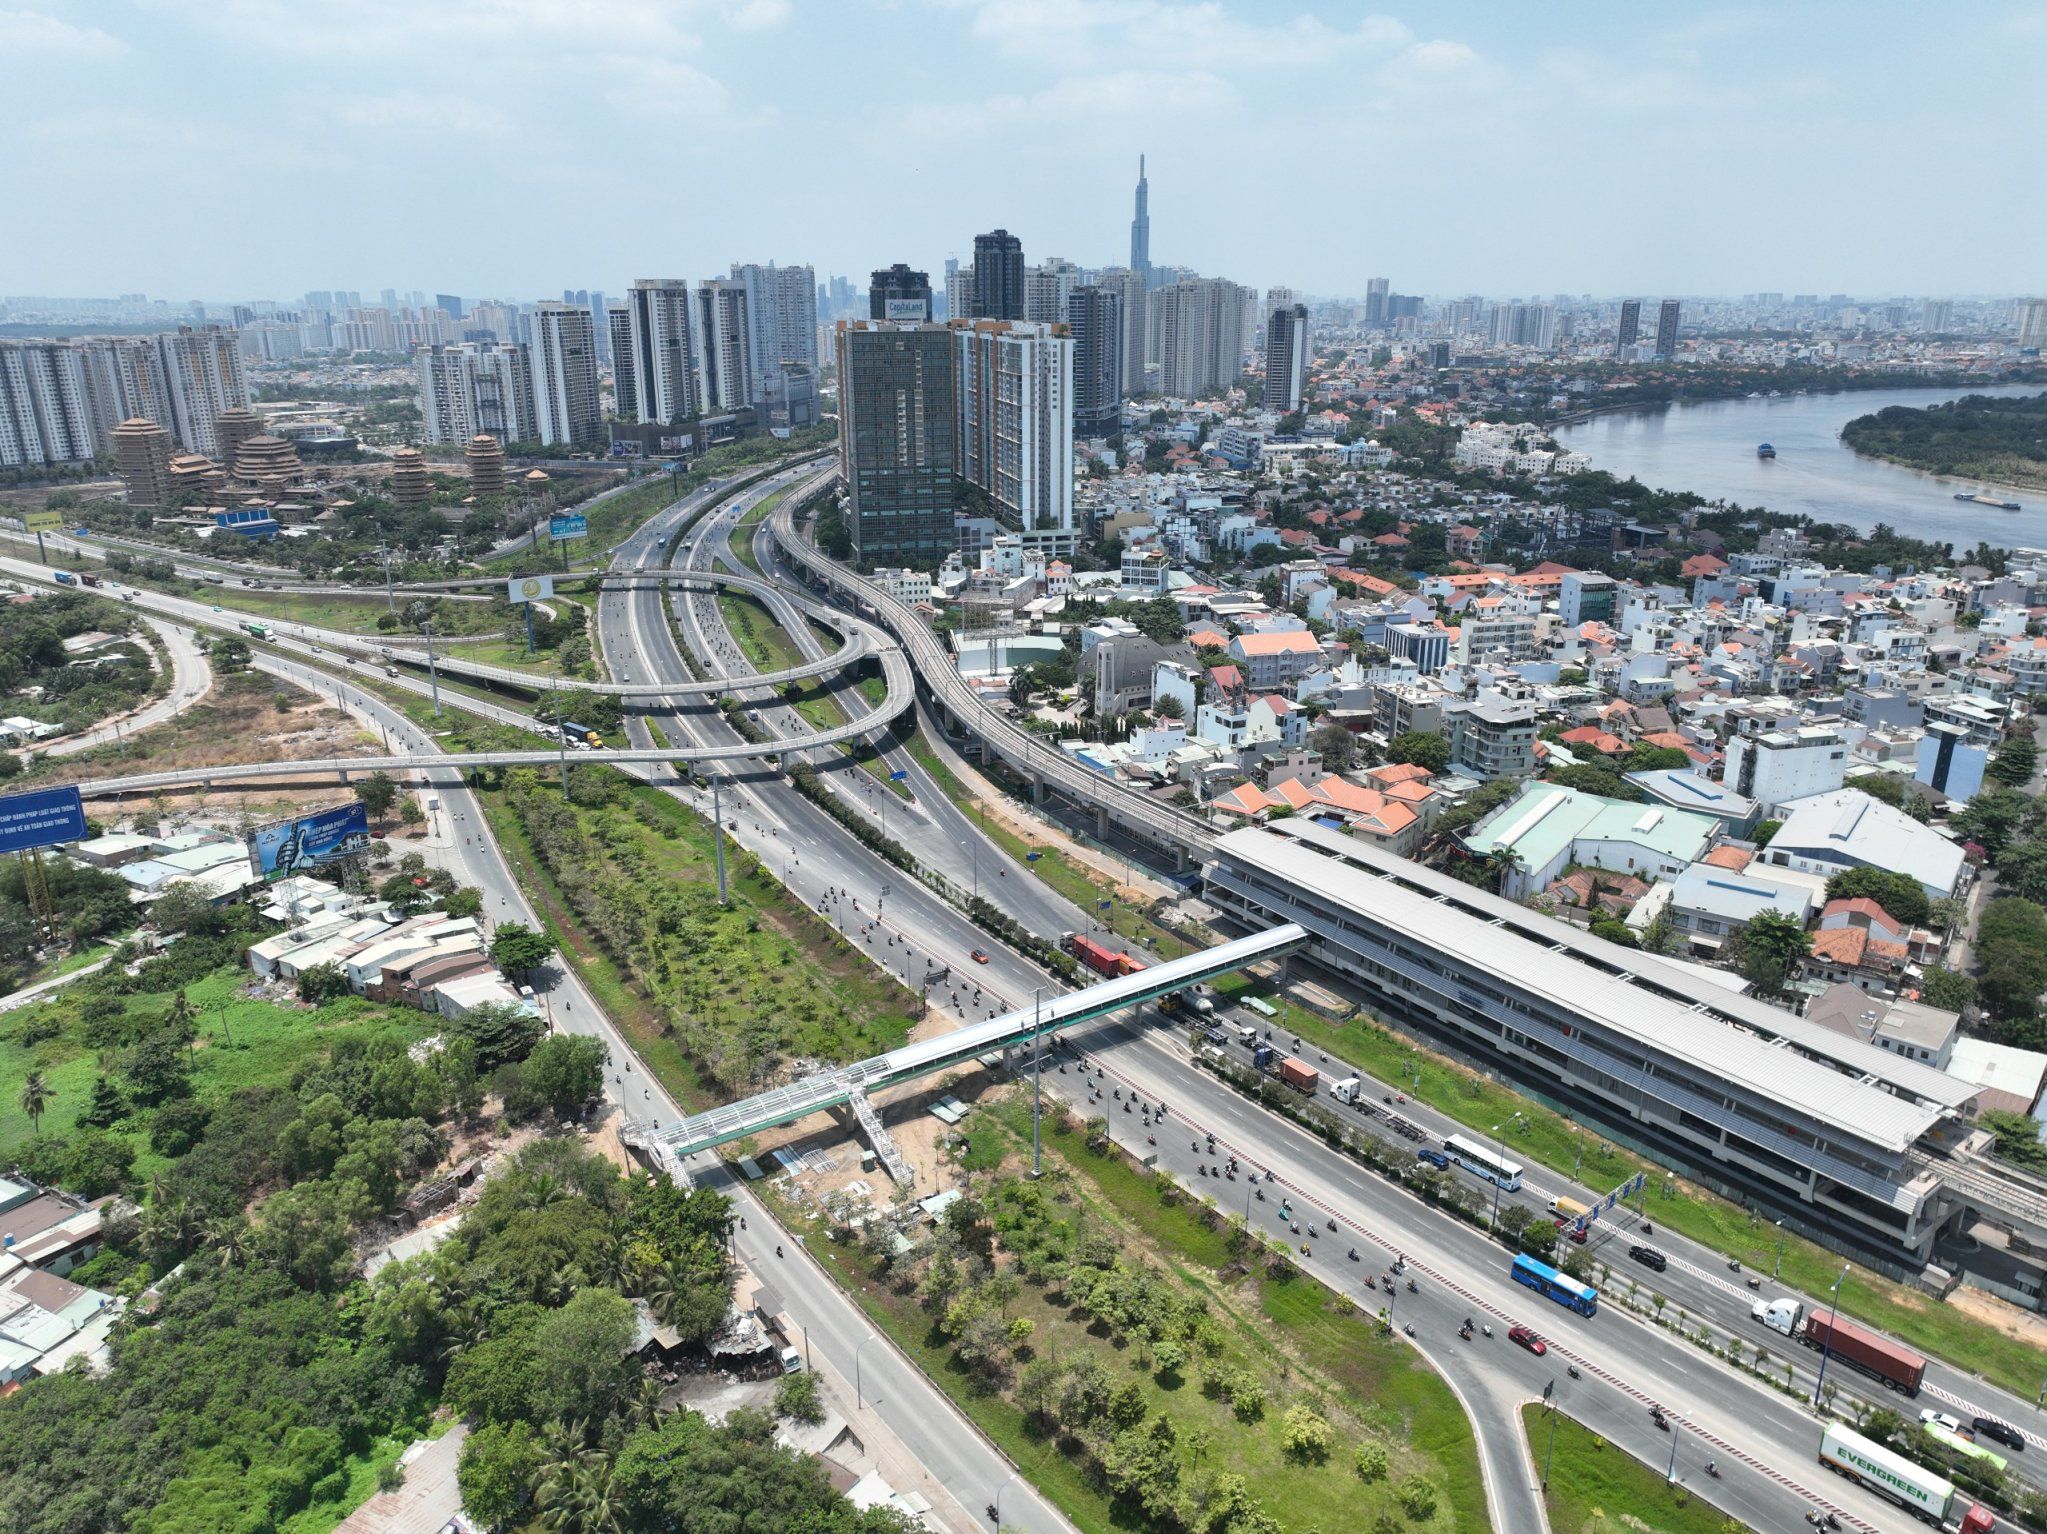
1434, 1158
792, 1361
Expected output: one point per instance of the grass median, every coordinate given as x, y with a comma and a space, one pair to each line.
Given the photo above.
1595, 1488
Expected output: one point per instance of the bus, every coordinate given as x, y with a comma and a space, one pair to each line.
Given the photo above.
1561, 1287
1963, 1445
256, 628
1480, 1162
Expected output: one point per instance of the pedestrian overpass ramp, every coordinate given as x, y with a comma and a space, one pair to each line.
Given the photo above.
830, 1089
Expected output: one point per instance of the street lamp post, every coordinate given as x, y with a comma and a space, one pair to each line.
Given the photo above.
858, 1403
432, 671
1500, 1140
1778, 1271
1549, 1406
1826, 1356
1037, 1074
1670, 1471
997, 1504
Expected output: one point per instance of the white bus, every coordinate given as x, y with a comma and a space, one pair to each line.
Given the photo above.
1480, 1162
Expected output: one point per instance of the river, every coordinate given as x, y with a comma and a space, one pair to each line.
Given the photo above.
1710, 449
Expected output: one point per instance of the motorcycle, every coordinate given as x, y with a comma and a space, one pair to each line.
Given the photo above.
1754, 1282
1734, 1265
1409, 1328
1487, 1330
1410, 1286
1713, 1470
1353, 1254
1572, 1370
1261, 1195
1464, 1332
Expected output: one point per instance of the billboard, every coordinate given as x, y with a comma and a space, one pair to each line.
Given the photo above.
42, 521
914, 310
529, 588
42, 817
293, 846
562, 529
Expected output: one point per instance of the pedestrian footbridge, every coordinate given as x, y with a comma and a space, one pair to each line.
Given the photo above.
831, 1089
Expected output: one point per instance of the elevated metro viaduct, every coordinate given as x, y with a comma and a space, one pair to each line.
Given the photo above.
849, 1085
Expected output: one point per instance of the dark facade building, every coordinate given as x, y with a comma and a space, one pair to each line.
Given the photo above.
899, 294
998, 276
1631, 324
1095, 316
1666, 329
1286, 357
897, 455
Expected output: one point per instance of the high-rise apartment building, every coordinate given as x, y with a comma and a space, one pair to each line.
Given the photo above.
1936, 316
203, 370
1047, 289
1129, 287
998, 276
1666, 329
1014, 432
476, 387
2033, 322
1376, 314
564, 354
900, 295
618, 326
50, 411
897, 453
656, 376
1095, 315
959, 291
724, 354
1286, 357
781, 317
1140, 225
1630, 326
1199, 329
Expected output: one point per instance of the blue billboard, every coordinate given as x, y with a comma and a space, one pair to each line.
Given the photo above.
310, 841
42, 817
561, 529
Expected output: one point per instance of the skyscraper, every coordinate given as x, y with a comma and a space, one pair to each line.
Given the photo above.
47, 408
1128, 286
1199, 328
564, 356
656, 375
1286, 357
1047, 288
1375, 301
896, 447
998, 276
1666, 329
2033, 322
899, 294
1096, 316
724, 356
202, 370
476, 387
1014, 431
1140, 225
1631, 324
781, 316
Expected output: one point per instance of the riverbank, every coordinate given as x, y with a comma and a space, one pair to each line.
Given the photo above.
1847, 386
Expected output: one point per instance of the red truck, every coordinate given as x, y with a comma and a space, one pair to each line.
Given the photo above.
1302, 1078
1102, 960
1898, 1367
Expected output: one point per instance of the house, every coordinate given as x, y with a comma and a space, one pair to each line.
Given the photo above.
1688, 790
1276, 660
1908, 1028
1854, 955
1709, 903
1547, 828
1827, 834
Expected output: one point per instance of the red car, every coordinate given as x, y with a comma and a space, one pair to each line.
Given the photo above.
980, 956
1528, 1340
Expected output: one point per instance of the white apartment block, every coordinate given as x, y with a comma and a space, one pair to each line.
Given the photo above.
781, 315
1778, 766
564, 354
50, 413
724, 361
473, 387
654, 364
1014, 431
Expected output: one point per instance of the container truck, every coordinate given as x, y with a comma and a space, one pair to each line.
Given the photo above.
1103, 961
1898, 1367
1302, 1078
63, 577
90, 580
256, 628
1913, 1487
1779, 1315
1262, 1056
1348, 1090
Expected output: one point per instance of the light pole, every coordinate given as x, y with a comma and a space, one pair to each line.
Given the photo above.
858, 1403
1778, 1271
1670, 1471
1550, 1406
1827, 1354
1037, 1073
1500, 1140
432, 671
997, 1504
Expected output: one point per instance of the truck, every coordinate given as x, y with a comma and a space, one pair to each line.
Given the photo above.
1299, 1076
63, 577
1103, 961
1780, 1315
1348, 1090
1262, 1056
256, 628
91, 580
1567, 1209
1897, 1366
1913, 1487
1186, 1001
580, 734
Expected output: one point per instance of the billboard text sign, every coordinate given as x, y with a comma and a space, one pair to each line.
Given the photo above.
310, 841
561, 529
529, 588
42, 817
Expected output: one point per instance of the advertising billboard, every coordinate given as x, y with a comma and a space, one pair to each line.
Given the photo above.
529, 588
293, 846
914, 310
562, 529
42, 521
42, 817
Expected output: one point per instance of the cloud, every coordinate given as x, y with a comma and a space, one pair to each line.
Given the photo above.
414, 110
34, 34
1080, 103
661, 88
383, 29
1067, 31
756, 15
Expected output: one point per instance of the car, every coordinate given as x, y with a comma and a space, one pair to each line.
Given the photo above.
1649, 1257
216, 607
1935, 1418
2003, 1432
1434, 1158
980, 956
1579, 1233
1528, 1340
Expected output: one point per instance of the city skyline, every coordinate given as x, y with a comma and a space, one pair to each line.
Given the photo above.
1697, 156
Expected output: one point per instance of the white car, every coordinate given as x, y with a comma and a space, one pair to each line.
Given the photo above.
1934, 1418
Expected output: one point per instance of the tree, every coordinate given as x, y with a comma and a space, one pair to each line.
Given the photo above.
409, 812
1767, 948
796, 1397
1902, 896
1766, 832
2014, 763
463, 902
1992, 819
228, 654
1305, 1436
1944, 987
1338, 747
35, 1098
502, 1034
517, 949
580, 1351
2013, 972
496, 1471
377, 793
322, 982
564, 1073
104, 1107
1419, 748
185, 907
2022, 869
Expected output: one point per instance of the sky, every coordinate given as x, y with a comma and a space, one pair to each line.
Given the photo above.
237, 149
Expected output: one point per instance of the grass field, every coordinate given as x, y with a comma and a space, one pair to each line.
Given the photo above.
1300, 1345
1595, 1488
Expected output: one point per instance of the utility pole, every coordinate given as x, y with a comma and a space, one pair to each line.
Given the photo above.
390, 599
561, 741
1037, 1075
1549, 1405
718, 831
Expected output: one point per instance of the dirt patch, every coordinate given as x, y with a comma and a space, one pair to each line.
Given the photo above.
2024, 1326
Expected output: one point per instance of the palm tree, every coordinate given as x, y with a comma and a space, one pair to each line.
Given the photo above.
35, 1098
229, 1238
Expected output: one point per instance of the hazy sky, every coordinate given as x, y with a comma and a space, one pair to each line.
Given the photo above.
230, 149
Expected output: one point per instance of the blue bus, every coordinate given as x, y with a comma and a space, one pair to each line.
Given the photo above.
1561, 1287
